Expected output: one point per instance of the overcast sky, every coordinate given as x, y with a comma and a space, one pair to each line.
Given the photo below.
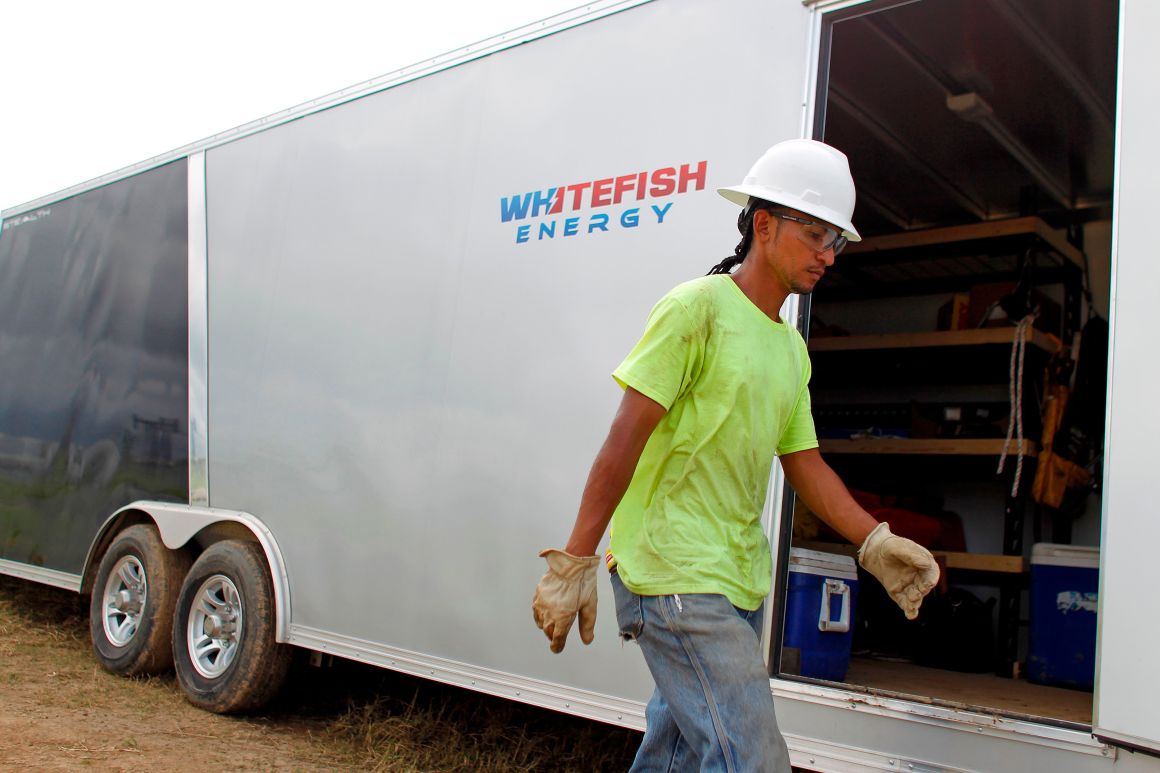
90, 87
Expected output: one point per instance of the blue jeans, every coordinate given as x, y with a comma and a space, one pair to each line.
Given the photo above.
712, 709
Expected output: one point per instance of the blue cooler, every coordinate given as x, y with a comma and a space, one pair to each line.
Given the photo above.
1064, 584
819, 615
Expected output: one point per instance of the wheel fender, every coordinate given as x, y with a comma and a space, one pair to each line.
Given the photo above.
179, 523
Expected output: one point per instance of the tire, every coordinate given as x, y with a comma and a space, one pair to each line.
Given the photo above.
224, 651
131, 610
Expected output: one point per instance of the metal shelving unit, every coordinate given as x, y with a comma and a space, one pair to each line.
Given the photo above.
950, 260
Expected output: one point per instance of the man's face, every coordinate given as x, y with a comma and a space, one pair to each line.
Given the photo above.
796, 255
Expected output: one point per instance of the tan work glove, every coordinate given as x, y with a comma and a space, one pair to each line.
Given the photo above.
906, 569
568, 588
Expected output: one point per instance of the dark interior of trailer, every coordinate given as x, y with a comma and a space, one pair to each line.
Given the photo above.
960, 350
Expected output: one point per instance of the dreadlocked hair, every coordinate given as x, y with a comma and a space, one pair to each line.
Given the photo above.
745, 227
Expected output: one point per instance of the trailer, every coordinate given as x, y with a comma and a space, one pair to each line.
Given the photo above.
330, 380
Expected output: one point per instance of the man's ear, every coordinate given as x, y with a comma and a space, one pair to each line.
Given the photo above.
764, 225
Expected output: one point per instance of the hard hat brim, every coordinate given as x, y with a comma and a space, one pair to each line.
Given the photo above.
740, 195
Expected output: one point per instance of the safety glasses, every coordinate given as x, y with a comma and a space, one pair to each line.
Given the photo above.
819, 237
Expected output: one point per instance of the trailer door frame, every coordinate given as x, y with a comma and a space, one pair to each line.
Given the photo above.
1127, 676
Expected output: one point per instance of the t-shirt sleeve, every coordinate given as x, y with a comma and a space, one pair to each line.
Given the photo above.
665, 361
799, 434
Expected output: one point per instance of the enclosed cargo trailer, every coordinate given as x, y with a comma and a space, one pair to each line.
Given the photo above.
331, 379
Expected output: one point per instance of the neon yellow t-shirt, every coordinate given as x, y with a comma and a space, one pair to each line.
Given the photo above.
735, 384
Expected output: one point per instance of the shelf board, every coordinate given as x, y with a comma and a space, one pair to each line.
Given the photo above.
936, 338
982, 562
976, 562
926, 446
963, 233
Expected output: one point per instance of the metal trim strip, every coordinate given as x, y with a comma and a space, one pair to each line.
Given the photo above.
1132, 743
809, 100
583, 703
40, 574
529, 32
963, 720
812, 754
775, 501
777, 491
197, 321
838, 5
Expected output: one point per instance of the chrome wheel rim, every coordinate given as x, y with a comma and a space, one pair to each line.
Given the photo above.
214, 629
125, 594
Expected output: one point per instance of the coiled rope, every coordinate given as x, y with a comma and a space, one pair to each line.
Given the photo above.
1015, 395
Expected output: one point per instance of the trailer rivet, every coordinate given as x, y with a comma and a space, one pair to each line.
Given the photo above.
620, 716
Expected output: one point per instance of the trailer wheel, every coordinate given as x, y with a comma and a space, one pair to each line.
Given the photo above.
226, 658
131, 611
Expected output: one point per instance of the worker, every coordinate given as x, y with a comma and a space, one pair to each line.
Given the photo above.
718, 384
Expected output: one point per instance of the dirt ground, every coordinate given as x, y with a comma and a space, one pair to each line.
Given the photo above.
60, 711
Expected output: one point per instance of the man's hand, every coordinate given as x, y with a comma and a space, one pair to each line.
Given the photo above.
566, 590
906, 569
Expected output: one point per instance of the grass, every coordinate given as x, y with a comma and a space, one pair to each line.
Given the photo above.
403, 723
346, 717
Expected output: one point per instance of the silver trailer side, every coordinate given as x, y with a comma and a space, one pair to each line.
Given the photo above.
401, 378
403, 304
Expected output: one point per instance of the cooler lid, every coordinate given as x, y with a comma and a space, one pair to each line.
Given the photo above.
1046, 553
827, 564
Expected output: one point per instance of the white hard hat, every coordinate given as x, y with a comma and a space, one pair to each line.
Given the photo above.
805, 175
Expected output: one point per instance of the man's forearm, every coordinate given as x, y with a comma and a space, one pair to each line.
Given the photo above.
906, 569
816, 483
607, 482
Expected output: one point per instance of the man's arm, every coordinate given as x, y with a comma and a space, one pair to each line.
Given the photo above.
816, 483
635, 420
568, 590
906, 569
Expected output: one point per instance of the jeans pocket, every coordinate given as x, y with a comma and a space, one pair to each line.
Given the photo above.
628, 612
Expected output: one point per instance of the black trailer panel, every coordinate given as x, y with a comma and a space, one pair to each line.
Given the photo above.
94, 385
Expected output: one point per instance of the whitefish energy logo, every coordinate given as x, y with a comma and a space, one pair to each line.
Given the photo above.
632, 200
